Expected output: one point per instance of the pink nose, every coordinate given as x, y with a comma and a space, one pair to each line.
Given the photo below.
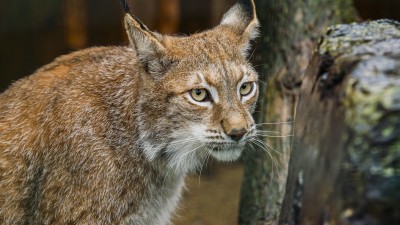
236, 134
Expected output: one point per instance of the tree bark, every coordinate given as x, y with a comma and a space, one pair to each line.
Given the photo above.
289, 31
345, 164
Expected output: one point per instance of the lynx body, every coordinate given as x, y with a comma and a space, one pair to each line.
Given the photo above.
107, 135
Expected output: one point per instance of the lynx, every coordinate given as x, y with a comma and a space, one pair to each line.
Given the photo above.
107, 135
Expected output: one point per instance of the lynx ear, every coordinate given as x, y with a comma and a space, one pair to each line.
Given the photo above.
147, 44
243, 19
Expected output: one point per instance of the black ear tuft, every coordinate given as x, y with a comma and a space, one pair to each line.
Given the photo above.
127, 10
125, 6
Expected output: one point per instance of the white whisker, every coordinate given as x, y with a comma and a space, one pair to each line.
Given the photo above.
268, 131
275, 123
262, 146
267, 145
275, 136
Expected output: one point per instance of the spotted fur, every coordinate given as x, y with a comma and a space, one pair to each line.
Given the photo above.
106, 135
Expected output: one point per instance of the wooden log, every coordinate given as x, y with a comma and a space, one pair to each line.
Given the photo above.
345, 162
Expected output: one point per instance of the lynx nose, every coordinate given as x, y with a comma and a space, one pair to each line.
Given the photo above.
236, 134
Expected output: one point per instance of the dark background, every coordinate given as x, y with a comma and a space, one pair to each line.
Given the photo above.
34, 32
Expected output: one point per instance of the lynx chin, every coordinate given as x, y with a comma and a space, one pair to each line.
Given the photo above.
107, 135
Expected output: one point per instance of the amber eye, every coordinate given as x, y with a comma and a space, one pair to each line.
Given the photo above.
246, 88
199, 95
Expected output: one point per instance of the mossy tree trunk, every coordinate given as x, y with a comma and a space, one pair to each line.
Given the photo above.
345, 163
289, 33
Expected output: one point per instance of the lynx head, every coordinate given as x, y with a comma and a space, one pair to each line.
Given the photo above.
197, 93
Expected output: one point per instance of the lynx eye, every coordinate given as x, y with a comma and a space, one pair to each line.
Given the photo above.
246, 88
199, 95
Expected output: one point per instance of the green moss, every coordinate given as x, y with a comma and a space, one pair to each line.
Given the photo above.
373, 116
369, 55
367, 107
341, 39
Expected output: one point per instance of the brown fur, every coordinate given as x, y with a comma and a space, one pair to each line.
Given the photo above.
73, 136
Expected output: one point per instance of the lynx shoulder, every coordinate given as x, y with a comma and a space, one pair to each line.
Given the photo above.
106, 135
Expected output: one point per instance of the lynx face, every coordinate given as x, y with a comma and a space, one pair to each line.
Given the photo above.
199, 91
211, 111
203, 110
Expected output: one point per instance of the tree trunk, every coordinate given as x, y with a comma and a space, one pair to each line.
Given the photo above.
289, 31
345, 164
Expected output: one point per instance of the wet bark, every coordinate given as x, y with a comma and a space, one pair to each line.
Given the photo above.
345, 162
289, 33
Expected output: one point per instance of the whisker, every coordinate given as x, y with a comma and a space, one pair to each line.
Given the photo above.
275, 123
251, 56
273, 160
257, 65
205, 165
277, 136
266, 145
263, 82
270, 147
268, 131
202, 164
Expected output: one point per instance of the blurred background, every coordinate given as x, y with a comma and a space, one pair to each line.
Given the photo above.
33, 33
